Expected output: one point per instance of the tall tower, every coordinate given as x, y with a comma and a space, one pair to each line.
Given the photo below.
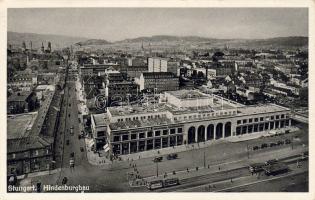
49, 47
31, 45
23, 46
42, 48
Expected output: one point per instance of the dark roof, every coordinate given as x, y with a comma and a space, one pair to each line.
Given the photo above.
157, 74
20, 96
26, 143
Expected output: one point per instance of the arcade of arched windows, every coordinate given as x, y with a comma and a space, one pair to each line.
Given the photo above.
204, 133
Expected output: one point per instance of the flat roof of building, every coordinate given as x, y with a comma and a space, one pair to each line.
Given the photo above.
100, 119
258, 109
133, 110
187, 94
19, 125
140, 123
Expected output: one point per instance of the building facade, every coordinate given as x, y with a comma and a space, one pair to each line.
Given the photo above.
162, 81
187, 117
157, 65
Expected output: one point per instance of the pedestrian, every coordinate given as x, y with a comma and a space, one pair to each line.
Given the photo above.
231, 180
219, 168
187, 170
208, 166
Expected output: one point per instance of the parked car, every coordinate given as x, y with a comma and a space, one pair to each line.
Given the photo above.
264, 145
172, 156
273, 144
255, 148
280, 142
158, 159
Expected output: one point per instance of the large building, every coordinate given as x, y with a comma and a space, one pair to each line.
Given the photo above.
30, 138
157, 65
158, 81
185, 117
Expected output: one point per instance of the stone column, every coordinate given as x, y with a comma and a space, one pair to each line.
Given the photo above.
206, 132
196, 135
145, 145
214, 131
176, 140
223, 130
153, 143
120, 150
129, 147
137, 146
289, 122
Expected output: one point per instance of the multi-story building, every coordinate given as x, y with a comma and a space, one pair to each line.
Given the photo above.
24, 81
157, 64
133, 71
21, 102
186, 117
158, 81
30, 138
94, 70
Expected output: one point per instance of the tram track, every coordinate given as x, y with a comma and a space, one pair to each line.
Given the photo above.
219, 176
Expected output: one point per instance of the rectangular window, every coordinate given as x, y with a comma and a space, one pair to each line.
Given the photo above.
179, 130
157, 133
250, 120
239, 121
277, 116
150, 134
272, 117
282, 116
116, 138
244, 121
261, 119
133, 136
173, 131
165, 132
256, 119
141, 135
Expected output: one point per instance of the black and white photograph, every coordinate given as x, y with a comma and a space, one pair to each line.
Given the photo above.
157, 99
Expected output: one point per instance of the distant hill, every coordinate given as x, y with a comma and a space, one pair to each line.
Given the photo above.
169, 38
60, 41
57, 41
93, 42
296, 41
213, 42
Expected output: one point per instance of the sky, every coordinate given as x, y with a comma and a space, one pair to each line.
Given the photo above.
114, 24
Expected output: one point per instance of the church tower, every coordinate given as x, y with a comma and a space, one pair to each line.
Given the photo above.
42, 48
